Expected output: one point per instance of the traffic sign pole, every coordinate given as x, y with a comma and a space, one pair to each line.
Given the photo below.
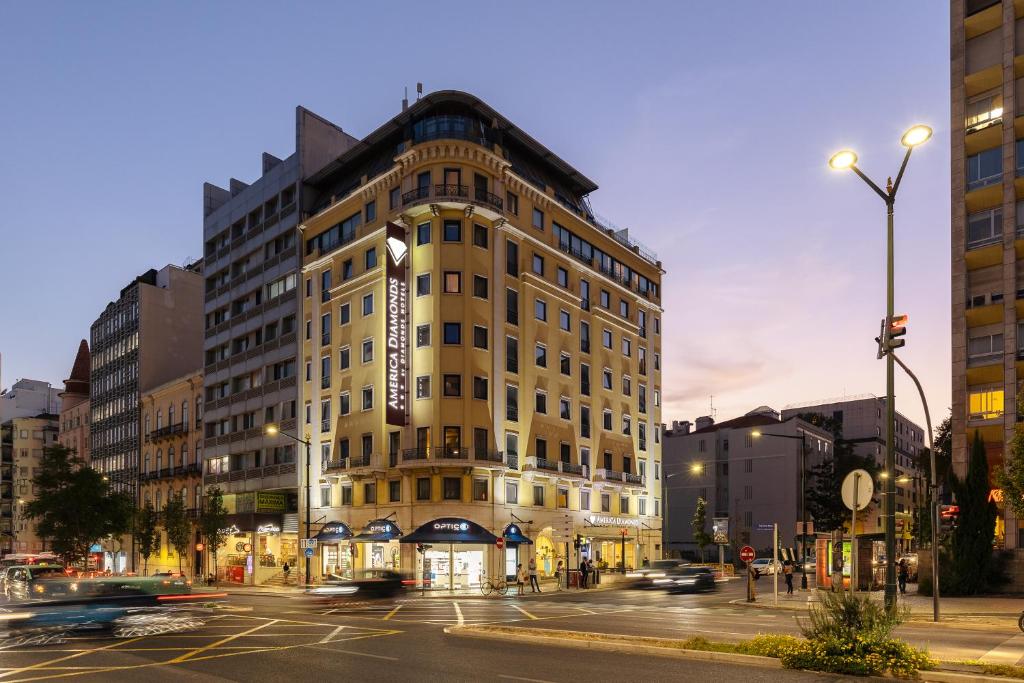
747, 555
775, 561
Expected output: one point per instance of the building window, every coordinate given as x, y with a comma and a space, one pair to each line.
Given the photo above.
624, 308
480, 490
394, 197
511, 354
512, 203
565, 364
606, 502
511, 403
368, 304
453, 385
422, 335
538, 219
606, 299
325, 496
423, 284
606, 420
512, 492
564, 320
346, 495
370, 259
985, 227
479, 236
985, 404
512, 258
538, 264
453, 231
344, 358
627, 347
540, 404
423, 386
562, 499
368, 398
452, 488
423, 488
480, 286
452, 333
422, 234
479, 337
511, 307
564, 408
480, 388
985, 168
395, 491
346, 270
370, 493
346, 402
540, 356
538, 495
585, 500
623, 505
452, 282
540, 309
367, 353
344, 314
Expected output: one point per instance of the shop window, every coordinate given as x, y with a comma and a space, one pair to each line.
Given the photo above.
480, 490
395, 491
370, 493
452, 488
423, 488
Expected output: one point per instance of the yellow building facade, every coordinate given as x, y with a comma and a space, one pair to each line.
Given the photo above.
171, 462
25, 439
481, 358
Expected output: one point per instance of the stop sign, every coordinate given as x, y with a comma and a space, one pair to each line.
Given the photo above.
747, 554
499, 542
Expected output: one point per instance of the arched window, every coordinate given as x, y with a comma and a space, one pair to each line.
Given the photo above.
199, 408
184, 453
170, 415
184, 496
184, 415
170, 457
145, 463
159, 459
199, 496
199, 452
145, 431
145, 498
159, 495
159, 419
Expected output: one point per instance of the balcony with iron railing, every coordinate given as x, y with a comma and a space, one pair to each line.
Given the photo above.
565, 469
168, 431
452, 193
454, 455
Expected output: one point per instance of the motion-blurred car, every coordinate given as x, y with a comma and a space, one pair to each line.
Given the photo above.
368, 585
659, 574
37, 582
693, 580
763, 566
3, 581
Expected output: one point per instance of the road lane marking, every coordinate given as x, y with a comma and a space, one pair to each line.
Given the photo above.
41, 665
458, 613
393, 612
520, 678
329, 636
200, 650
1008, 652
524, 612
352, 652
584, 609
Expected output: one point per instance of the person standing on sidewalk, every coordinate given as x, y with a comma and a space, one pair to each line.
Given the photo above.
520, 579
903, 573
787, 571
584, 572
286, 569
558, 575
534, 586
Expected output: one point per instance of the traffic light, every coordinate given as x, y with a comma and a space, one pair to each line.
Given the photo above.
577, 542
948, 517
893, 328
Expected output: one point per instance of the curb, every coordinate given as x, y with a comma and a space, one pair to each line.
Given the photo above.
914, 620
626, 646
950, 677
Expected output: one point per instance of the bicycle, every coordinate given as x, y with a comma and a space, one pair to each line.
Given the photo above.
489, 585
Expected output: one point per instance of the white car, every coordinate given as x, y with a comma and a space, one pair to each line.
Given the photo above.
765, 565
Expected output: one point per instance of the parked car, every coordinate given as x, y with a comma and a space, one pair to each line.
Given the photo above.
660, 574
37, 581
693, 580
765, 565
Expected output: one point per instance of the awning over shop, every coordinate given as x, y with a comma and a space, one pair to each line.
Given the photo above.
513, 534
333, 532
260, 522
378, 530
450, 530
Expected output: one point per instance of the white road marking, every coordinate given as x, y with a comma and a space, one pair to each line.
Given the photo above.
520, 678
352, 652
329, 636
458, 613
1008, 652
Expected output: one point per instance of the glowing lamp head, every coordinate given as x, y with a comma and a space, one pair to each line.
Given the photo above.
918, 135
696, 468
271, 430
842, 160
756, 433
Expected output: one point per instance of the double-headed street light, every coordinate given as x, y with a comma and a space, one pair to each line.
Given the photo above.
847, 159
273, 430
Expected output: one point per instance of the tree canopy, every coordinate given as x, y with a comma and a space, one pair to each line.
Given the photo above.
971, 567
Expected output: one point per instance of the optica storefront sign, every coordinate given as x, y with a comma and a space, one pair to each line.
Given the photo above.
397, 327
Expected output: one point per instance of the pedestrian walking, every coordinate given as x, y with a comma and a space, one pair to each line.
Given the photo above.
584, 572
520, 579
903, 573
286, 570
787, 571
534, 586
558, 575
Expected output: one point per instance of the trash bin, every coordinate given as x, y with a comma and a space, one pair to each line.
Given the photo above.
572, 578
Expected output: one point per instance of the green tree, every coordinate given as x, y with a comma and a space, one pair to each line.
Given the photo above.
74, 505
825, 479
699, 525
970, 567
213, 521
1011, 478
177, 526
145, 534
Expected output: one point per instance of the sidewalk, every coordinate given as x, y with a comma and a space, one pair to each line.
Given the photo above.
920, 606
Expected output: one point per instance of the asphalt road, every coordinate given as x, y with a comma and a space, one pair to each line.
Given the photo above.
274, 637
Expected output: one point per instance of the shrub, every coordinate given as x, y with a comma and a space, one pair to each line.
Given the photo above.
770, 645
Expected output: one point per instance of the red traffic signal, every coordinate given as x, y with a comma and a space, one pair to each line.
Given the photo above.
897, 328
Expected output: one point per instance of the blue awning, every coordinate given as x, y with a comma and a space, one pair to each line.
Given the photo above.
451, 530
513, 534
378, 530
332, 532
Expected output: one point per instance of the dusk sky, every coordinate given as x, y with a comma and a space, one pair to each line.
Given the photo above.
706, 125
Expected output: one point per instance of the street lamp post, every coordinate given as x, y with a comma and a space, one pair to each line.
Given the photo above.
272, 430
803, 500
847, 159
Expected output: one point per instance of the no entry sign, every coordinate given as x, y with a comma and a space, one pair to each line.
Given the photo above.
747, 554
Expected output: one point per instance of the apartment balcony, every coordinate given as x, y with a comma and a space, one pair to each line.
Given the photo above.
620, 478
355, 465
557, 468
168, 431
281, 475
454, 456
454, 194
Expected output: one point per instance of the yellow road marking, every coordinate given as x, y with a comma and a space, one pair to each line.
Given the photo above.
392, 612
41, 665
524, 612
197, 651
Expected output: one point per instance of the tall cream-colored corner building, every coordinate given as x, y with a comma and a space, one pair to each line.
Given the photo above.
481, 367
171, 464
987, 132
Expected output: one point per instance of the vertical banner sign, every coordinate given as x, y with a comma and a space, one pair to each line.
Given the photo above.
397, 327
